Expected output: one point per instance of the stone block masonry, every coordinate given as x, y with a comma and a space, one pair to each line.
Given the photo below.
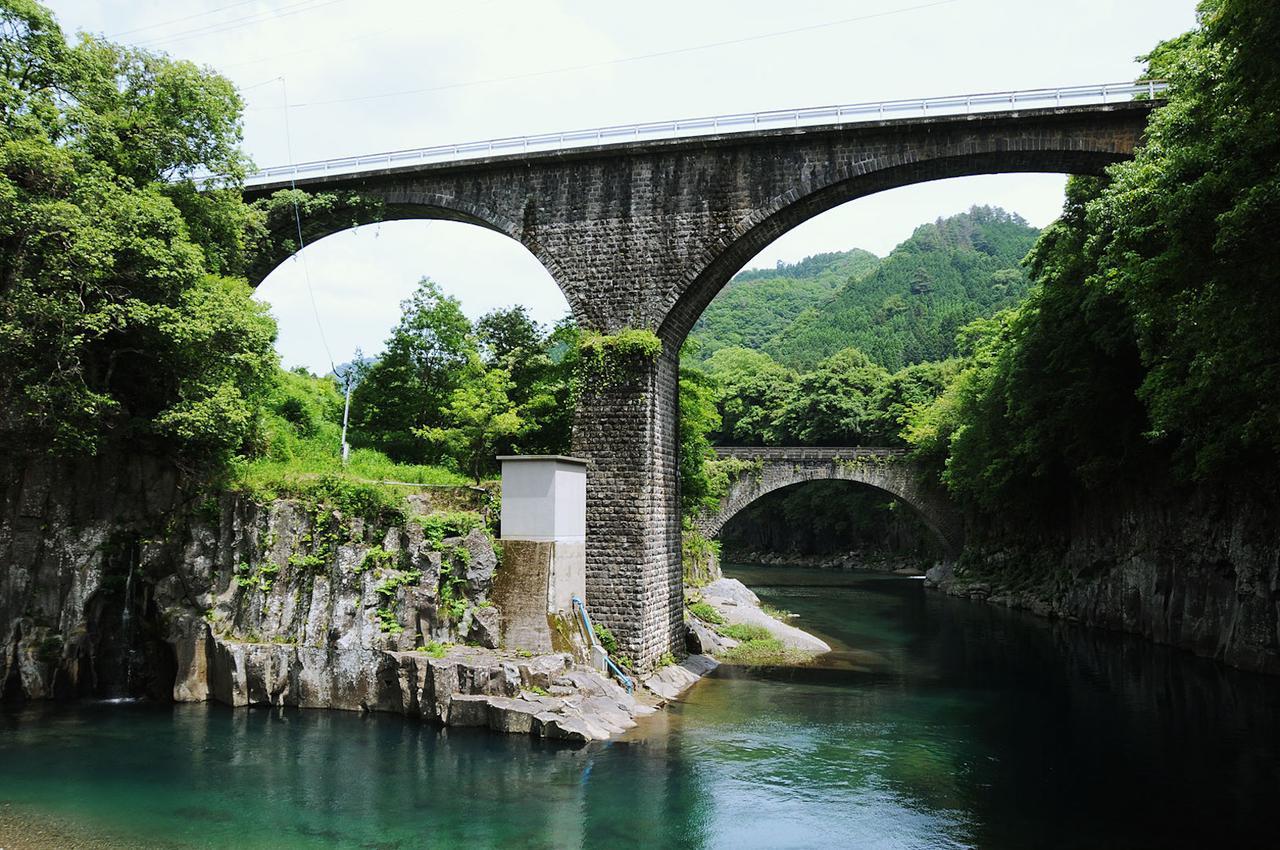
644, 234
883, 469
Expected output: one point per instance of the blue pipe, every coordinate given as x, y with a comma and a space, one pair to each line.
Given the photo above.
581, 608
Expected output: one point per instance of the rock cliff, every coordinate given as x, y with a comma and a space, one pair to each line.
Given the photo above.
115, 581
1187, 568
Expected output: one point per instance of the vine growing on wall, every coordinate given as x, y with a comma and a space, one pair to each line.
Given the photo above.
722, 472
611, 360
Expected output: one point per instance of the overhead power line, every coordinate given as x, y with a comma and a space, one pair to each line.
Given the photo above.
183, 19
217, 27
347, 39
626, 59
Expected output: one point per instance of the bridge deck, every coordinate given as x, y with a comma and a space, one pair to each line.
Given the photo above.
985, 103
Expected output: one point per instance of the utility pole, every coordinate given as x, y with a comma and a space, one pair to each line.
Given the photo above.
346, 415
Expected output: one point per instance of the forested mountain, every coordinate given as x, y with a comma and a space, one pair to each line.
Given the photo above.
759, 304
901, 310
909, 308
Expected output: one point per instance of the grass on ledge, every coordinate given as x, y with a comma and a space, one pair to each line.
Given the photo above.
757, 647
304, 461
765, 652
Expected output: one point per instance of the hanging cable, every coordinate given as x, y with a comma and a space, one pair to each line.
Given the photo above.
345, 376
297, 220
173, 21
301, 7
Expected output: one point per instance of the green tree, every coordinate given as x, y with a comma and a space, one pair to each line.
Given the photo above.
1185, 235
833, 404
698, 418
541, 365
548, 398
1149, 341
407, 389
113, 323
752, 391
478, 417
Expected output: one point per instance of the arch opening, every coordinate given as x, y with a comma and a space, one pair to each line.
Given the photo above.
831, 522
784, 213
896, 479
330, 215
358, 277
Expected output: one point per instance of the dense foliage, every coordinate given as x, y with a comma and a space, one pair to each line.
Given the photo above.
1149, 343
448, 392
759, 305
905, 309
115, 318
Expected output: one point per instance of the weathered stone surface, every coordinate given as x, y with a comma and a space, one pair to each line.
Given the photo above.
703, 640
1191, 569
482, 563
543, 670
467, 710
485, 626
738, 605
674, 679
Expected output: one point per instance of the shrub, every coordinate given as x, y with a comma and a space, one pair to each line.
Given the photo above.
607, 640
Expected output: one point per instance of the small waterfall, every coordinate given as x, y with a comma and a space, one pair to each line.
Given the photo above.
126, 624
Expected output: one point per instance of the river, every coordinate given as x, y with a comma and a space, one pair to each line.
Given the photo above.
936, 723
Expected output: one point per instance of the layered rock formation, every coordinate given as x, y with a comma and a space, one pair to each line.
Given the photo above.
1189, 569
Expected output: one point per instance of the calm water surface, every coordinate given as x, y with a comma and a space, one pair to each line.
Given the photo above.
936, 723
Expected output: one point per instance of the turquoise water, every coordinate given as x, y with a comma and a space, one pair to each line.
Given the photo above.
936, 723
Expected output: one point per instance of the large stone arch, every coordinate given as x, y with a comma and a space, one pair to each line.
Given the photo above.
1034, 153
778, 468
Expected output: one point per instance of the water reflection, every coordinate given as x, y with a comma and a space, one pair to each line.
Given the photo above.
936, 723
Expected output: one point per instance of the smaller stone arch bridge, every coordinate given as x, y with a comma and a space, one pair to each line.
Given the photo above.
885, 469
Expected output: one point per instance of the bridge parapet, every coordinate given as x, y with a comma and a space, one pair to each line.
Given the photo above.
807, 454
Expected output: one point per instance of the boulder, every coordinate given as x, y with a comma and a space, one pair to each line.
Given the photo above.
561, 728
486, 622
542, 671
670, 681
469, 710
482, 563
700, 639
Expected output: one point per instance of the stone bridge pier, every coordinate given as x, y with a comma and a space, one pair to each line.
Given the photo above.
643, 235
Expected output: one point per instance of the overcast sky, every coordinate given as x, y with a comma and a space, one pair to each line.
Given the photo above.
362, 76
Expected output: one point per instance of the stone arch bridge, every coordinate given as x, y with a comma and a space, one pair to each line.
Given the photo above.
644, 233
884, 469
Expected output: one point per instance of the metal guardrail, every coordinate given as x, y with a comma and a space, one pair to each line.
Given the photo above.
803, 453
581, 608
853, 113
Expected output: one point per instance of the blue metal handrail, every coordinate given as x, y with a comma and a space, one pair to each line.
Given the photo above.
581, 608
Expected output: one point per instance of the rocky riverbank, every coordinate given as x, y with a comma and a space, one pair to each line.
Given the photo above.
1188, 569
320, 601
872, 561
727, 621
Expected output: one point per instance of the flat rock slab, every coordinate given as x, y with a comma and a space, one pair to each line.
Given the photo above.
738, 605
671, 681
